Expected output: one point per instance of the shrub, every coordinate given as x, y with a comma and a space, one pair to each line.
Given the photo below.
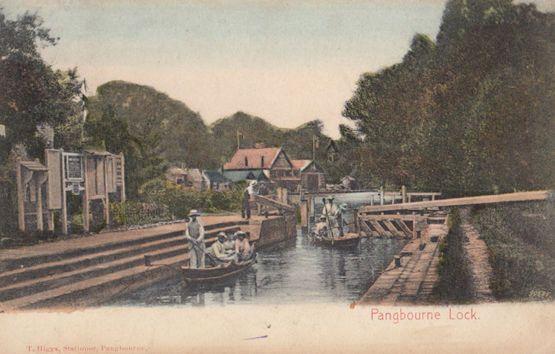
520, 239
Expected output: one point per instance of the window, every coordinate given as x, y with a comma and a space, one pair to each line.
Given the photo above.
246, 161
262, 161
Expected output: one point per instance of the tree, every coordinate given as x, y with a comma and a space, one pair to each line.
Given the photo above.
472, 114
31, 92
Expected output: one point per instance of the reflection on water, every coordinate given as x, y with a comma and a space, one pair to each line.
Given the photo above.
289, 273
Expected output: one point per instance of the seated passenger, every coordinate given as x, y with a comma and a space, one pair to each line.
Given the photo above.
229, 244
217, 250
243, 248
321, 227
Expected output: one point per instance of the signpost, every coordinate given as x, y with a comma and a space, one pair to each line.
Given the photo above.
92, 174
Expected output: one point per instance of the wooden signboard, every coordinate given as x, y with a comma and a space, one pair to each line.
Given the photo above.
54, 185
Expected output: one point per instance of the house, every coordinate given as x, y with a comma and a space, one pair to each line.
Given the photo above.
245, 175
310, 175
252, 163
217, 181
349, 183
332, 151
189, 177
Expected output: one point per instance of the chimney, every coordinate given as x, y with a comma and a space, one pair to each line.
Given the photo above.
259, 145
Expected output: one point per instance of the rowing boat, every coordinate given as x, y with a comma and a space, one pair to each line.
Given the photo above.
348, 240
218, 273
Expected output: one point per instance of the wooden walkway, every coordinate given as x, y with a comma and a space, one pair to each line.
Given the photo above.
414, 280
484, 199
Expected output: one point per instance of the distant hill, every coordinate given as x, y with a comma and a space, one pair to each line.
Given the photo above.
297, 142
170, 127
154, 131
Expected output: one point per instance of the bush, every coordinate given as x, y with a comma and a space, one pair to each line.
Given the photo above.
520, 239
138, 213
454, 272
163, 200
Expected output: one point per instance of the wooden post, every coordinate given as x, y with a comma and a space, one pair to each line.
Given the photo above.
86, 227
40, 221
20, 197
50, 220
413, 225
106, 194
382, 197
357, 221
122, 196
63, 189
404, 193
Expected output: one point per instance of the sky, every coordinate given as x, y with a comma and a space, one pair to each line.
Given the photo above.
286, 61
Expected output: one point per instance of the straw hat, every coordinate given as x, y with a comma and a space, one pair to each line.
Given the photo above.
221, 235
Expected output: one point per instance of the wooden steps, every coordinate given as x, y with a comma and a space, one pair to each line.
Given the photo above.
93, 271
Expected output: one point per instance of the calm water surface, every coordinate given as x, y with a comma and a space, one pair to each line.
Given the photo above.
293, 272
296, 272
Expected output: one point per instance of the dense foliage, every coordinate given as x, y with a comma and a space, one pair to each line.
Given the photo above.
522, 248
455, 283
180, 200
154, 131
149, 128
473, 112
32, 93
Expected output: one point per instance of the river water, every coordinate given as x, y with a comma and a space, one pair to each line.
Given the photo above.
293, 272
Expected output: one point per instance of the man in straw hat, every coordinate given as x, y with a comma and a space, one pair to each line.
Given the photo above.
195, 234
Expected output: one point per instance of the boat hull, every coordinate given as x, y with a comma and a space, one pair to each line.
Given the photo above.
349, 240
215, 274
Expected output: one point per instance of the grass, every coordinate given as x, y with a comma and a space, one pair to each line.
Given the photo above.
522, 249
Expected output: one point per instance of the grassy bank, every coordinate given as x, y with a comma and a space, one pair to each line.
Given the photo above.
522, 249
454, 284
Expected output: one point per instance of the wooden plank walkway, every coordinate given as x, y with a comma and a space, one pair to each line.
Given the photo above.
484, 199
414, 280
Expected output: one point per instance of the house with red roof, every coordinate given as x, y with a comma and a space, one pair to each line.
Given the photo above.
259, 163
275, 165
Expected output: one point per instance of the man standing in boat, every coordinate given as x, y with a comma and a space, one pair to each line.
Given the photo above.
195, 234
330, 211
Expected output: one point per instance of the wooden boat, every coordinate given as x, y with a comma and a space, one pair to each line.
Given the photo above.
218, 273
348, 240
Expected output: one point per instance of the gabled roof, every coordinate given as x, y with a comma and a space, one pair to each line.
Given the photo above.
300, 164
238, 176
332, 145
216, 177
254, 159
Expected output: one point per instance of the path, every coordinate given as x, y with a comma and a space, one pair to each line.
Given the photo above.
477, 254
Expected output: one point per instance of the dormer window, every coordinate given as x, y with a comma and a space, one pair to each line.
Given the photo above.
246, 161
